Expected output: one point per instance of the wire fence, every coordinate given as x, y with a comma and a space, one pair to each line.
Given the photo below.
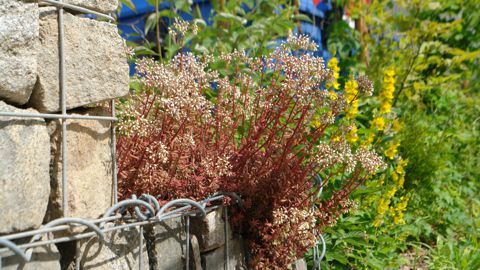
133, 212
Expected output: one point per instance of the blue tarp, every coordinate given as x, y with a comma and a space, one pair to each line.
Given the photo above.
132, 23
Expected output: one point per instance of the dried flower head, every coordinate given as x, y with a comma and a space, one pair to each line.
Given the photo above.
365, 86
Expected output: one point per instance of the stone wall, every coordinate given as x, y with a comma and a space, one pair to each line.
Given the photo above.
31, 149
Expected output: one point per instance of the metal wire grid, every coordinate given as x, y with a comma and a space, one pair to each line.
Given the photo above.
152, 214
317, 256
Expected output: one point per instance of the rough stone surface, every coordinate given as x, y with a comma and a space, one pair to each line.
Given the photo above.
120, 251
210, 230
214, 260
24, 171
96, 64
89, 166
104, 6
195, 258
43, 258
170, 244
299, 264
18, 38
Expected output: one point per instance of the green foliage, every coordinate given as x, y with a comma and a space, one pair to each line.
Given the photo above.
435, 49
234, 25
255, 29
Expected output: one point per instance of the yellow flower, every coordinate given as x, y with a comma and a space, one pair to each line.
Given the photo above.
396, 125
398, 176
352, 109
399, 210
400, 169
391, 151
401, 181
386, 95
383, 205
352, 136
333, 65
402, 205
351, 95
316, 121
336, 138
404, 163
382, 180
351, 90
398, 219
398, 179
377, 222
333, 95
369, 139
315, 124
391, 192
390, 72
379, 123
386, 107
395, 177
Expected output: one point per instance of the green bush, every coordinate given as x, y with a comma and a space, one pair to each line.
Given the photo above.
434, 47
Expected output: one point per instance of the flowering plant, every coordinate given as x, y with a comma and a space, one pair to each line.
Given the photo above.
260, 127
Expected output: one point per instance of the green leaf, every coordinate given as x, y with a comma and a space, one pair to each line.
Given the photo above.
150, 22
224, 16
129, 4
302, 17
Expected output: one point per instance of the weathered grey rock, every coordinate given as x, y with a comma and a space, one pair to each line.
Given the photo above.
170, 244
299, 264
43, 258
18, 38
89, 166
214, 260
195, 257
120, 251
24, 171
96, 64
210, 230
104, 6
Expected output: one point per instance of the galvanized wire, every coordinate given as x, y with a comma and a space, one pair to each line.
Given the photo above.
187, 239
225, 229
113, 144
318, 257
57, 116
25, 250
61, 5
63, 98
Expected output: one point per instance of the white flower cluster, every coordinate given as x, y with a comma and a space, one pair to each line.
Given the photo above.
178, 85
340, 152
294, 221
181, 28
216, 167
369, 160
300, 42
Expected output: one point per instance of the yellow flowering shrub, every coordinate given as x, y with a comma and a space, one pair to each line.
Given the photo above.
379, 133
333, 66
398, 210
386, 96
391, 151
378, 123
352, 135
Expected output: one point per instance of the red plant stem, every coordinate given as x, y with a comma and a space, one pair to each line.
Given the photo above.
290, 140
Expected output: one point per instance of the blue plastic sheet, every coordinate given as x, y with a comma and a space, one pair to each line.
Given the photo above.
132, 22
